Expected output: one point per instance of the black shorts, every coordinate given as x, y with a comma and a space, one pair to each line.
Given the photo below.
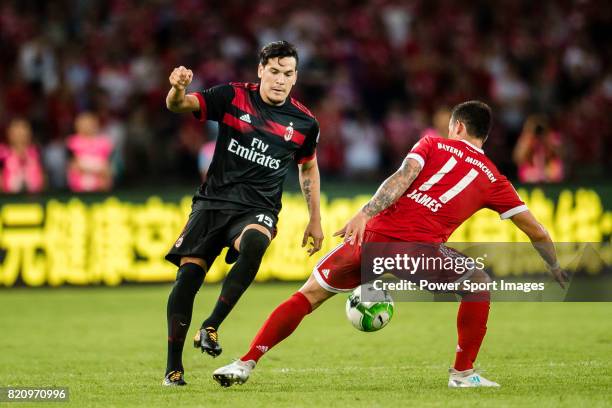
208, 231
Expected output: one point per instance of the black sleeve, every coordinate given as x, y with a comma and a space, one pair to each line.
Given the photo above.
308, 149
213, 102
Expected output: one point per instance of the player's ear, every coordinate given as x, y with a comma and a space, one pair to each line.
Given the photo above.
453, 128
260, 70
294, 77
460, 127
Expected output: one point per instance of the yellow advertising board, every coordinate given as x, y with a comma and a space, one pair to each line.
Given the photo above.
113, 241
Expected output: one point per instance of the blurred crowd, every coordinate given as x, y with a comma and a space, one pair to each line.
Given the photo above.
82, 97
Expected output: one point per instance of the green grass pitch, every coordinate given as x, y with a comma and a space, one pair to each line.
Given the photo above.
109, 347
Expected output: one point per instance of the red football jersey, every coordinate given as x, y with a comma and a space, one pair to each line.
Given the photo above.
455, 181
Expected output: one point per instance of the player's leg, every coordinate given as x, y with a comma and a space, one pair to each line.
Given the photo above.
472, 323
189, 279
339, 271
286, 318
195, 250
251, 245
278, 326
471, 328
473, 310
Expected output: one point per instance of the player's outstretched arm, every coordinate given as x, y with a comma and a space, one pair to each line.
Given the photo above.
542, 242
176, 100
388, 192
310, 182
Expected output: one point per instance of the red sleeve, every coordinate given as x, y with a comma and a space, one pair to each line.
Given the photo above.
421, 151
504, 199
214, 102
200, 114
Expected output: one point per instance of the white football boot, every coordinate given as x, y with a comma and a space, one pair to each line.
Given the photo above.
468, 378
237, 372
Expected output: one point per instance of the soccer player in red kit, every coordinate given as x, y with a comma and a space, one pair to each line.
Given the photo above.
440, 184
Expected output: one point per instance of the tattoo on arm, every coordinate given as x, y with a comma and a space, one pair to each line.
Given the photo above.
306, 189
393, 187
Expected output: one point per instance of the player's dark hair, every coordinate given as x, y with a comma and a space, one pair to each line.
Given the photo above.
280, 49
477, 117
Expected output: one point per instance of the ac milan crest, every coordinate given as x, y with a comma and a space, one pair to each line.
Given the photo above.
179, 241
289, 132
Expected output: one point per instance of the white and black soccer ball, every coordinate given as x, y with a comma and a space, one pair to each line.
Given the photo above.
369, 309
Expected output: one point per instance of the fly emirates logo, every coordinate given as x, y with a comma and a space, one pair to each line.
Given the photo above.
420, 195
255, 154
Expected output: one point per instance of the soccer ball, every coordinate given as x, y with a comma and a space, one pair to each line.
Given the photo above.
371, 315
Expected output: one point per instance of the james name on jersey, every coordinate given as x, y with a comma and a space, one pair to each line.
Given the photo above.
456, 180
419, 196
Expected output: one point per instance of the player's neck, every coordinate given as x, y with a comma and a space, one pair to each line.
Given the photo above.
473, 141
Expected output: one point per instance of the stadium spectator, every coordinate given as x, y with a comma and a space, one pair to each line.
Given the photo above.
19, 160
440, 120
330, 151
368, 56
511, 93
362, 139
538, 154
55, 160
138, 145
401, 127
38, 64
89, 168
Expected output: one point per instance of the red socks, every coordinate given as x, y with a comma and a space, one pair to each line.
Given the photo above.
279, 325
471, 328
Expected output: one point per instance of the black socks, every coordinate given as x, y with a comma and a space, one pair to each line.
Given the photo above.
189, 278
253, 245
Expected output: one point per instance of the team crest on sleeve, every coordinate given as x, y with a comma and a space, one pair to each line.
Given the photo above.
289, 132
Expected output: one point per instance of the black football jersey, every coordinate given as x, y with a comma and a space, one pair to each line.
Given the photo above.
256, 145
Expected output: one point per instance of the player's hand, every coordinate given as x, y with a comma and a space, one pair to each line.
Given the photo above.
180, 78
354, 230
560, 276
314, 231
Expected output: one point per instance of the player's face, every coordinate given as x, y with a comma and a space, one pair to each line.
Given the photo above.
277, 78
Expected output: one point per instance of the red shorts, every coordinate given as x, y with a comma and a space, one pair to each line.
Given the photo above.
340, 269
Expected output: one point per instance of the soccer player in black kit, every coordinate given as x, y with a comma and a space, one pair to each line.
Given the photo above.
262, 131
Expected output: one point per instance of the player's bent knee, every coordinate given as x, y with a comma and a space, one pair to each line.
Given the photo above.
315, 293
480, 290
190, 259
253, 243
480, 276
190, 277
249, 228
